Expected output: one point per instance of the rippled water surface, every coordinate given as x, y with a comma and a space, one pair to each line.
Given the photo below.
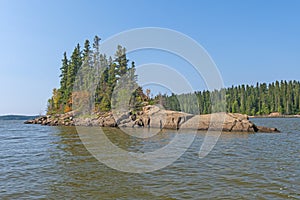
38, 162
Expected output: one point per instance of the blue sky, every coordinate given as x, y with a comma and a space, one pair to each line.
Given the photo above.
250, 41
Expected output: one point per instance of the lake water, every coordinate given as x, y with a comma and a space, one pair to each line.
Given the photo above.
41, 162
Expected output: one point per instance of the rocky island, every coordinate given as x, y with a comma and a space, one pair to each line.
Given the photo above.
154, 117
102, 82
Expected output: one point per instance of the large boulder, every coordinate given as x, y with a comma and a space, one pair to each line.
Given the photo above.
274, 114
155, 117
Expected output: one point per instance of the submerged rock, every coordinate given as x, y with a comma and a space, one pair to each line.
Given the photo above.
267, 130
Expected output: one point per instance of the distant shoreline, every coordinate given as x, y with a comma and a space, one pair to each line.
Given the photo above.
279, 116
18, 117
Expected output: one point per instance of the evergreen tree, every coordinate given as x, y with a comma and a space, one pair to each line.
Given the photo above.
64, 72
121, 61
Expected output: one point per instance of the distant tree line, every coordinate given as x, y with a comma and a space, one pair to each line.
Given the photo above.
262, 99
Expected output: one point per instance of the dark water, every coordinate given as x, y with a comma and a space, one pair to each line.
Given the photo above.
40, 162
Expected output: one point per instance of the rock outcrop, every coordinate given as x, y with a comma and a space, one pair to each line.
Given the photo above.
155, 117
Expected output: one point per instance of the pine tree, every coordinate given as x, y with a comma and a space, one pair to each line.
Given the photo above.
64, 72
121, 61
75, 64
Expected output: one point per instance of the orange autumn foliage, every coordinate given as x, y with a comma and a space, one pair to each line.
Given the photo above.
67, 109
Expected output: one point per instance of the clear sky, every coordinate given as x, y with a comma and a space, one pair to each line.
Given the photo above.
250, 41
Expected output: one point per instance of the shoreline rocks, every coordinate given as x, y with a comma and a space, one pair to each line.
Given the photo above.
155, 117
275, 115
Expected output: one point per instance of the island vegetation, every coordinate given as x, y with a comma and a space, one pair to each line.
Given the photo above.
262, 99
88, 59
